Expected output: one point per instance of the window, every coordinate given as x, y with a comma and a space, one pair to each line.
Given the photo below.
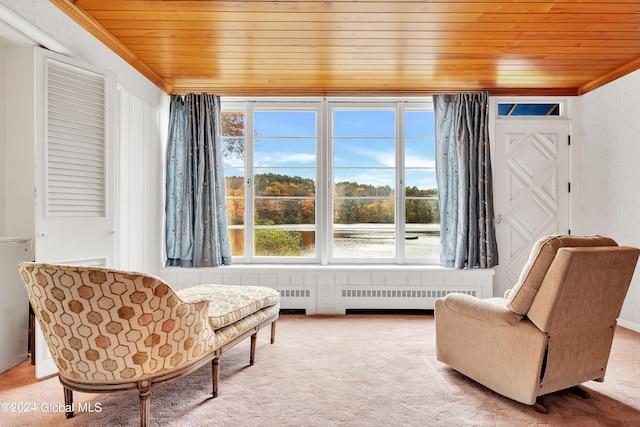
422, 212
541, 109
234, 149
364, 183
330, 181
284, 182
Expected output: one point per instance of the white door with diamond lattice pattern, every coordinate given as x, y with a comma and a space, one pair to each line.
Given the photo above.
531, 191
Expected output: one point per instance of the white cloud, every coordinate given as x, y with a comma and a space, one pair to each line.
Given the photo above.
418, 161
381, 157
278, 158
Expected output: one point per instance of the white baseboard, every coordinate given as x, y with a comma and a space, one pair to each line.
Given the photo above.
629, 325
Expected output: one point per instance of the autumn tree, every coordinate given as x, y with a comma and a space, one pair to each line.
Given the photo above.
233, 134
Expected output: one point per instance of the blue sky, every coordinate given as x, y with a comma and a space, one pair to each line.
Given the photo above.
364, 146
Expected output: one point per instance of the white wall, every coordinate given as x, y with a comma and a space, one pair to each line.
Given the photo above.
141, 134
52, 21
607, 162
3, 155
141, 184
20, 137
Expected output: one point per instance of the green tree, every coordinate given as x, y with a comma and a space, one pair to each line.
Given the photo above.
272, 242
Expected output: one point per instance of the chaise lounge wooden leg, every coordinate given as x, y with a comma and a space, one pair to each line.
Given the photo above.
273, 332
145, 392
68, 401
252, 356
539, 406
215, 367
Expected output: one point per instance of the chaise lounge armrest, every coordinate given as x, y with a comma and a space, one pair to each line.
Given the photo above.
491, 310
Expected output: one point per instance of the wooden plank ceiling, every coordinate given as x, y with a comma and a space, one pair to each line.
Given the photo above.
351, 47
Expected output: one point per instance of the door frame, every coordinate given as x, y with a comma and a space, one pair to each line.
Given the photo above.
529, 124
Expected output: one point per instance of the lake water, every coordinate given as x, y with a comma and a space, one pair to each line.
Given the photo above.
382, 244
422, 241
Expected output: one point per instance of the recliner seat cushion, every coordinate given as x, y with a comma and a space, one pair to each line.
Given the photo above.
229, 303
542, 254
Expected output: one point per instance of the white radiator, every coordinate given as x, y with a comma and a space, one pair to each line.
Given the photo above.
334, 289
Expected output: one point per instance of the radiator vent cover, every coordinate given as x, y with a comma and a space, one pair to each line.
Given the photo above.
401, 293
295, 293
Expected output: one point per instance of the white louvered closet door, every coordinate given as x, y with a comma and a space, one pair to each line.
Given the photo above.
75, 212
75, 170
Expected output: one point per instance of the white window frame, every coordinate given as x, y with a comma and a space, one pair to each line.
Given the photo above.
249, 175
324, 173
563, 104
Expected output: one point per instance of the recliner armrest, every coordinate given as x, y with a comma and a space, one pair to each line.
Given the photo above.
492, 310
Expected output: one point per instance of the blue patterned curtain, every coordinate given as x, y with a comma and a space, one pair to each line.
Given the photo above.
465, 185
196, 207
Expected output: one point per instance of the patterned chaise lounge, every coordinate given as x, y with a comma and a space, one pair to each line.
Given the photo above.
110, 330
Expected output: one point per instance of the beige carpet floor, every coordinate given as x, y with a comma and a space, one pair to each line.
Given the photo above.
355, 370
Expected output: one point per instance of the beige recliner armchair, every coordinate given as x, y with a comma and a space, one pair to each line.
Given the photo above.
552, 331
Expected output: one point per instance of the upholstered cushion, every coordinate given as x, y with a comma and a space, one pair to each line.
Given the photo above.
230, 332
228, 303
519, 299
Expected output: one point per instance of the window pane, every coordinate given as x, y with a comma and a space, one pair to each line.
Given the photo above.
284, 183
284, 152
363, 211
359, 182
284, 124
364, 123
532, 110
421, 180
234, 187
280, 210
422, 211
419, 124
420, 152
422, 215
367, 243
351, 188
233, 141
277, 241
364, 177
422, 241
236, 237
235, 210
233, 149
364, 152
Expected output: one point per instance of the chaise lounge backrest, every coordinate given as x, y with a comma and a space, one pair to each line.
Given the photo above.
105, 325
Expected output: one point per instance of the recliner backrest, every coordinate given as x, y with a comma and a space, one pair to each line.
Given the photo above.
542, 255
577, 306
584, 288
